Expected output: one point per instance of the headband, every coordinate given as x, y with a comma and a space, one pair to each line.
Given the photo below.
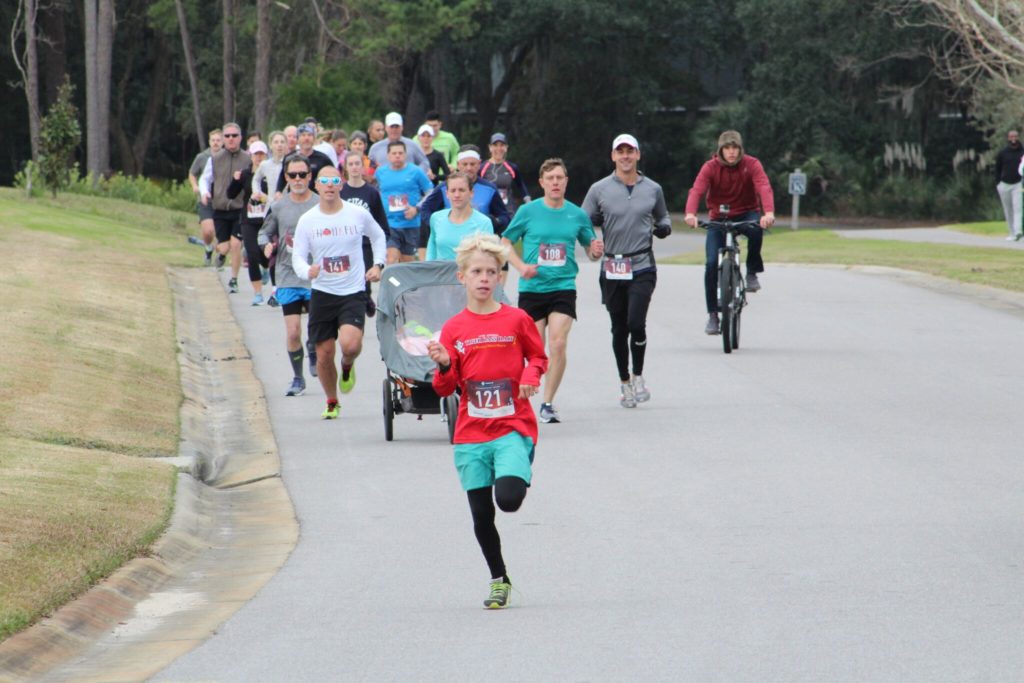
468, 154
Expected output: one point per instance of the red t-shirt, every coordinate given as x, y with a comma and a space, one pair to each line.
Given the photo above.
491, 355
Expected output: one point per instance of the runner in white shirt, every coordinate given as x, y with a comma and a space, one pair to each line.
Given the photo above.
331, 236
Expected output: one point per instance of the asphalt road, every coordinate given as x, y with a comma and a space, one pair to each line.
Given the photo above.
841, 499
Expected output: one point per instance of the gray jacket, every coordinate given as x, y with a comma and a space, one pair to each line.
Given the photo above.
629, 220
281, 220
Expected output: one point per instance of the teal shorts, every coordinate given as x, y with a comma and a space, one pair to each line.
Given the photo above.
479, 464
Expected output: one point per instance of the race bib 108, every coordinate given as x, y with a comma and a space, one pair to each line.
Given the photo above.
552, 254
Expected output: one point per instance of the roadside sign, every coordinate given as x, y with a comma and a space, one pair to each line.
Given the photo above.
798, 183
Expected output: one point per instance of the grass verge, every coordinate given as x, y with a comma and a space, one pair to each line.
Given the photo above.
995, 267
988, 228
88, 382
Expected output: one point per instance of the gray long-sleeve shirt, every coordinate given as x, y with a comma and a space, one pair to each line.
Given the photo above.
628, 219
281, 220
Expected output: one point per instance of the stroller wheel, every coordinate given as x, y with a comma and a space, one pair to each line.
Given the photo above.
451, 414
389, 412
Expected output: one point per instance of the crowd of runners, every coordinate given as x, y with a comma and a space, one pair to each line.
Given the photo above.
319, 215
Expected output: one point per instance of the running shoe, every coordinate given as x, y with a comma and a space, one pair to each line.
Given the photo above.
208, 259
640, 390
548, 413
627, 399
233, 285
330, 412
713, 326
192, 239
500, 592
257, 300
297, 388
272, 301
753, 284
311, 353
345, 385
221, 258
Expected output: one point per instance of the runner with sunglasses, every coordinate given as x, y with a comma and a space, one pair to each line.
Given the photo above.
276, 237
330, 236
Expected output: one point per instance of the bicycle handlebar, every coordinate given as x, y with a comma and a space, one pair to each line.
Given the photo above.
728, 225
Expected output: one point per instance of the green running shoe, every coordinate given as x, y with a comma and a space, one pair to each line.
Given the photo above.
500, 592
346, 385
331, 412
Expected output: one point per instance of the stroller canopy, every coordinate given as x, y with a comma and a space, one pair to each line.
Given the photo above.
415, 300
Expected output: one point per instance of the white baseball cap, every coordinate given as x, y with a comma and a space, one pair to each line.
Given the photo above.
425, 129
257, 147
625, 139
393, 119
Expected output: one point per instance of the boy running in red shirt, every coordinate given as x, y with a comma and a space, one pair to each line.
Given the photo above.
493, 354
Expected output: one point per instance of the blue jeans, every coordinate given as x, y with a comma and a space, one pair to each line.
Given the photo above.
715, 241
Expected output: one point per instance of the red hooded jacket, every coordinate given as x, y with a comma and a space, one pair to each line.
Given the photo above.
744, 187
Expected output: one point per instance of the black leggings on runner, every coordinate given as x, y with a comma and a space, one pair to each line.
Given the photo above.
250, 236
627, 302
509, 492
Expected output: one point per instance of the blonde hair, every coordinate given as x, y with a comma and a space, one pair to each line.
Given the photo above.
486, 244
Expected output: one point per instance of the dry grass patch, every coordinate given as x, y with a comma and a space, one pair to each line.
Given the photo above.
69, 518
88, 379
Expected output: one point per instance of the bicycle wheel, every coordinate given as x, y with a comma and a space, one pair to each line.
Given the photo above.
389, 412
726, 290
736, 317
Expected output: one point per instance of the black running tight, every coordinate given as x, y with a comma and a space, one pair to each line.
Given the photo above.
509, 493
250, 235
627, 304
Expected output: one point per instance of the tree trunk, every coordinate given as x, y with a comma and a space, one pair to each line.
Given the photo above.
32, 76
91, 115
228, 59
190, 65
52, 49
104, 76
154, 105
261, 80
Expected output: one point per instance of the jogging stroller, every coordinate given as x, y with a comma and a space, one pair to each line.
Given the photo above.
415, 300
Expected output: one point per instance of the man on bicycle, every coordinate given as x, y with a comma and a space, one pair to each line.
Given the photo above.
736, 181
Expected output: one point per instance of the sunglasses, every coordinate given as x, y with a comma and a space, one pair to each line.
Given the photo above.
297, 174
232, 135
333, 180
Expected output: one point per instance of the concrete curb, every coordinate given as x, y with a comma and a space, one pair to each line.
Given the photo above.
233, 525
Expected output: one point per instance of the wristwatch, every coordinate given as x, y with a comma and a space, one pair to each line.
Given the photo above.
379, 265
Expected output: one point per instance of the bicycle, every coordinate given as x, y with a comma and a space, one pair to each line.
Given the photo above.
732, 291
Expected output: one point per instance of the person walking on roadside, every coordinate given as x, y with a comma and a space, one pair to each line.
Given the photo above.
1008, 184
330, 237
504, 174
402, 185
205, 211
448, 227
629, 208
549, 230
734, 187
444, 142
355, 190
227, 212
493, 355
276, 238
